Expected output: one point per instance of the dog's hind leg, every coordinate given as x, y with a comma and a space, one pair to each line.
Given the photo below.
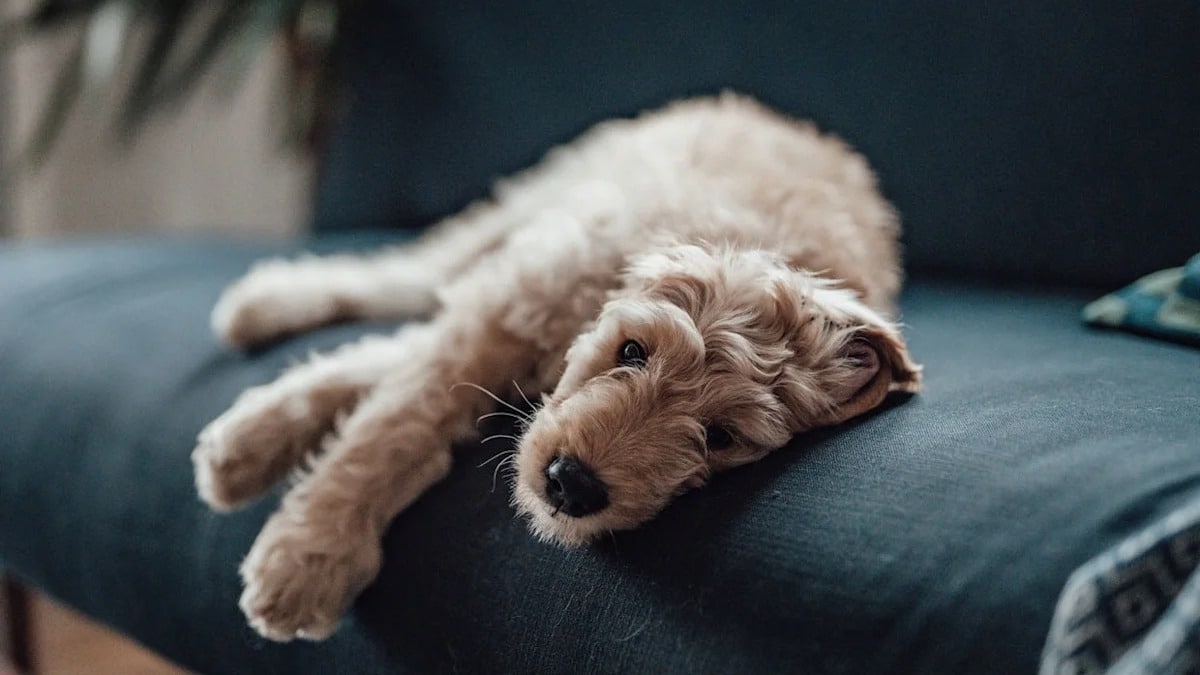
270, 429
281, 297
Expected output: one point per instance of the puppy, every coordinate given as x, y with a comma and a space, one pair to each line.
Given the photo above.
691, 287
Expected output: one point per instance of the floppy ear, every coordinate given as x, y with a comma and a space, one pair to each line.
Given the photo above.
871, 363
846, 356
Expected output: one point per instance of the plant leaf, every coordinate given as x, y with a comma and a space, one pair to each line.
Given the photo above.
65, 92
170, 17
230, 19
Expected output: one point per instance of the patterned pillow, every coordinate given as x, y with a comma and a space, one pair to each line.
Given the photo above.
1165, 304
1134, 609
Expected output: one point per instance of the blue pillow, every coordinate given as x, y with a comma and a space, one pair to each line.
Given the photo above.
1165, 304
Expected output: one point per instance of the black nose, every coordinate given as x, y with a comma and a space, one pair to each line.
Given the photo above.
571, 487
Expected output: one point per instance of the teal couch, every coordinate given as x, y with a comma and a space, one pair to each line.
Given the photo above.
1039, 153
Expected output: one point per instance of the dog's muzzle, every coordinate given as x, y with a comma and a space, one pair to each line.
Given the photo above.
573, 488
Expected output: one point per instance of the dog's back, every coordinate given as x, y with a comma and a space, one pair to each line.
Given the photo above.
726, 169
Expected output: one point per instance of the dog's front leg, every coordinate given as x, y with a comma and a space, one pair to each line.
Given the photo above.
323, 544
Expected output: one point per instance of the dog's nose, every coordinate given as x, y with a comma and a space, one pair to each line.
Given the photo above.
573, 488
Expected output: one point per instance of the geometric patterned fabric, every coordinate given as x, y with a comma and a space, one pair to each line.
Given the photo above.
1135, 609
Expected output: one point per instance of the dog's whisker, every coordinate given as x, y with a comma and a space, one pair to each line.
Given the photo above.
500, 413
495, 436
501, 465
493, 458
490, 395
523, 396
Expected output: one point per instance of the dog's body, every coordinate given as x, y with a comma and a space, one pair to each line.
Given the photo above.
692, 288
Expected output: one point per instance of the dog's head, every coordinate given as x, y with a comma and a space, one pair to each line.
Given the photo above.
708, 358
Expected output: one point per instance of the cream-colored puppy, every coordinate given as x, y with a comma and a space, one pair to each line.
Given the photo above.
690, 288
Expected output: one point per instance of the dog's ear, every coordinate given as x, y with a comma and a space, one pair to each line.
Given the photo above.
846, 356
871, 363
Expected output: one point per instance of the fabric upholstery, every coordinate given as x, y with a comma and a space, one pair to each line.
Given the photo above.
1021, 140
933, 536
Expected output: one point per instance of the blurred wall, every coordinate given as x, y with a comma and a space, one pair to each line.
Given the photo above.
214, 165
4, 200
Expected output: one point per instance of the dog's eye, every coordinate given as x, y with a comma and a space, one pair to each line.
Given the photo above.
631, 354
717, 437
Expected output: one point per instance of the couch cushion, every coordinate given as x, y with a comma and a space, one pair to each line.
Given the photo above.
1029, 139
933, 536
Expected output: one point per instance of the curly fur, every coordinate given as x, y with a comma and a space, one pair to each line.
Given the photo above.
751, 256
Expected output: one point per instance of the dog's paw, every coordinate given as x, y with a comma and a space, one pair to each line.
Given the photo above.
299, 581
246, 450
225, 479
276, 298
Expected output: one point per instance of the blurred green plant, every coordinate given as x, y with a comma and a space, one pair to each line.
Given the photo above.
169, 45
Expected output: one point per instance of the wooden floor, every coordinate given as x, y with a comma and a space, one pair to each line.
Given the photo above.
66, 643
